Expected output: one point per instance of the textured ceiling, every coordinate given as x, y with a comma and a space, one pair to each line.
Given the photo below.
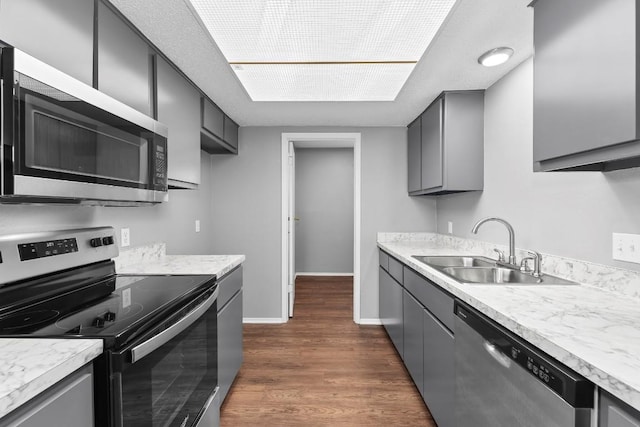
473, 27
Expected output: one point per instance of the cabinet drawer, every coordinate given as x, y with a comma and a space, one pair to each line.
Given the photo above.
383, 260
229, 285
435, 300
395, 269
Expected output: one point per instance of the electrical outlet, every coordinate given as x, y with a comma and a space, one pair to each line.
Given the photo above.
450, 227
626, 247
125, 237
197, 225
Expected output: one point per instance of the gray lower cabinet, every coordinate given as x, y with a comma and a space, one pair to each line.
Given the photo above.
179, 109
124, 61
229, 330
418, 316
413, 339
614, 413
446, 145
58, 33
390, 299
68, 403
438, 370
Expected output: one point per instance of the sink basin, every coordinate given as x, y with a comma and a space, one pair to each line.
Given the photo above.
482, 270
500, 276
456, 261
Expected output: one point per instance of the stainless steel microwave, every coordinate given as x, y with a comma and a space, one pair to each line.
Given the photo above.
65, 142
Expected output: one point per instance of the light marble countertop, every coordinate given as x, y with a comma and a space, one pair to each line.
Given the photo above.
591, 329
152, 259
30, 366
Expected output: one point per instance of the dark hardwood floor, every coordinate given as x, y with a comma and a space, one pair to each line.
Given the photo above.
321, 369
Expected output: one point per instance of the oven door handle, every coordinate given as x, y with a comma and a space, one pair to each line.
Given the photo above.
147, 347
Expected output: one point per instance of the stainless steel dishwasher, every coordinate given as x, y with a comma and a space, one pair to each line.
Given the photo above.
503, 381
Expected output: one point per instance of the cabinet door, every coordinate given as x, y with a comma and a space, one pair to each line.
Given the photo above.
229, 343
432, 146
179, 109
413, 339
615, 413
68, 403
58, 33
391, 309
212, 118
124, 60
439, 370
414, 153
231, 132
579, 103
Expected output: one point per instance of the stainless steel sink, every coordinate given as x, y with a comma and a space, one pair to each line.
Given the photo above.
480, 270
456, 261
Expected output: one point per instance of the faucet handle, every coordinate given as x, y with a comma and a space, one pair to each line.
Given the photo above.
500, 254
537, 262
524, 264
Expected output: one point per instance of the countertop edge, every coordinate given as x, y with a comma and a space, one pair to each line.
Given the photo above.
54, 360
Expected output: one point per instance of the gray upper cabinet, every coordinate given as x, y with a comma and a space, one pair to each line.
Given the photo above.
212, 119
124, 62
414, 151
231, 133
219, 134
451, 150
179, 109
586, 114
58, 33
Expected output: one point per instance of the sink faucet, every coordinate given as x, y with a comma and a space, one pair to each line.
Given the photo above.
512, 238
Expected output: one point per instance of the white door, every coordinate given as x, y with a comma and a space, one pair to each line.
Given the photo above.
292, 228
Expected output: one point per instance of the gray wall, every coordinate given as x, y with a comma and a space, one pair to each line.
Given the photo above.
324, 206
570, 214
171, 222
247, 204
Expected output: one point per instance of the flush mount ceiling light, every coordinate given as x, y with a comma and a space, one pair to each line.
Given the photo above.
496, 56
322, 50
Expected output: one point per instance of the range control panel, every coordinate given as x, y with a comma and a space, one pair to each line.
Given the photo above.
35, 250
27, 255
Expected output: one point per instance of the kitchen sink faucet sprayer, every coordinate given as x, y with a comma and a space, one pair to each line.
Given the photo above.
512, 239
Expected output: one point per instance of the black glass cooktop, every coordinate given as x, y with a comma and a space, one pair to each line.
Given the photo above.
113, 308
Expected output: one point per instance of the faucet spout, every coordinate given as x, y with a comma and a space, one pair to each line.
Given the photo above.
512, 237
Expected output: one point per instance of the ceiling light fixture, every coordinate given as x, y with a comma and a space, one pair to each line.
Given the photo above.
496, 56
329, 50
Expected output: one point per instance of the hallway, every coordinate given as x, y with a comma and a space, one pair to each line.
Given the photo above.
321, 369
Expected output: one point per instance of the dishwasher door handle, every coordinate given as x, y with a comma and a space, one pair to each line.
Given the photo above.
499, 356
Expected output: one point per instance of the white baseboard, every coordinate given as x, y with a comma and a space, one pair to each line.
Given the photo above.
265, 320
370, 322
324, 274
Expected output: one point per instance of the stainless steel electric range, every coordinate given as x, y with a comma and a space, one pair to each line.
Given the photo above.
159, 365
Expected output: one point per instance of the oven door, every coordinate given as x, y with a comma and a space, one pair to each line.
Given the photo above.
169, 376
66, 140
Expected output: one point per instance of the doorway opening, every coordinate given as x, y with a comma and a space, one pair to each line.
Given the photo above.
291, 141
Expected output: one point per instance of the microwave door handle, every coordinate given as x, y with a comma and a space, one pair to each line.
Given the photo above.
147, 347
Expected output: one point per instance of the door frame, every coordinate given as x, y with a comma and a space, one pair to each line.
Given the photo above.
322, 140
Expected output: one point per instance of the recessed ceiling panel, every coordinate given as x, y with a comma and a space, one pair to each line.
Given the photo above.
323, 82
275, 39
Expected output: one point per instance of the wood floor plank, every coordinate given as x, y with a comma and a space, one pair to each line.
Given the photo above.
321, 369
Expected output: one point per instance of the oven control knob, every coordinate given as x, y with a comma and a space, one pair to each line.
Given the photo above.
98, 322
95, 242
107, 240
110, 316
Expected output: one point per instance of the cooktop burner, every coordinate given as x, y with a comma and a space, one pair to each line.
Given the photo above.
27, 320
